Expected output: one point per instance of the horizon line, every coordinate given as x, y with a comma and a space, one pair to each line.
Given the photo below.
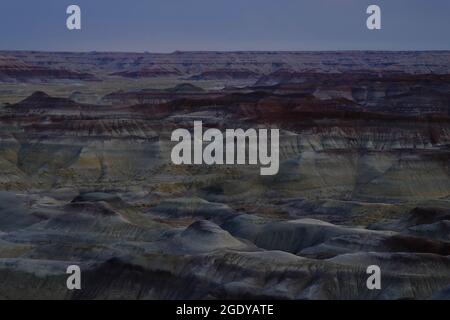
226, 51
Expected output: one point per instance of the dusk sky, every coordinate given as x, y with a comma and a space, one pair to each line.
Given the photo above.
169, 25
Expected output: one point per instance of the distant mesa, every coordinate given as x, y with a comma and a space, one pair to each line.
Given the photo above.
13, 70
154, 96
147, 73
38, 95
281, 76
185, 87
36, 98
40, 99
227, 74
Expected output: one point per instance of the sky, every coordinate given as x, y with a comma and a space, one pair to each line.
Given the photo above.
224, 25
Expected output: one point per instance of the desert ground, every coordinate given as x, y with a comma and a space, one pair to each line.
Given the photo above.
86, 176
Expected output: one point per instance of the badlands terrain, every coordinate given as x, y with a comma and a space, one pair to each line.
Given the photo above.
86, 176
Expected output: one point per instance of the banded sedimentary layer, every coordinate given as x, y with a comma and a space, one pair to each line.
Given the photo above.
363, 180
